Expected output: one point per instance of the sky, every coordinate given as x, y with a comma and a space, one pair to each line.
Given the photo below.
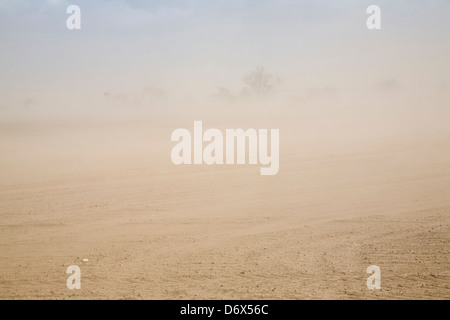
188, 49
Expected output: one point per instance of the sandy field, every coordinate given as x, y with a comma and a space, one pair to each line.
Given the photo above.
107, 191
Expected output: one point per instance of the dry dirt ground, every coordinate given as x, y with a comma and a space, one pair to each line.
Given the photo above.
107, 191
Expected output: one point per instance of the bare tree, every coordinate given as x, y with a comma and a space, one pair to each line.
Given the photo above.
259, 82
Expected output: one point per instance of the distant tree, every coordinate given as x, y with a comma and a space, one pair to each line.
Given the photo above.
154, 97
259, 82
225, 95
388, 87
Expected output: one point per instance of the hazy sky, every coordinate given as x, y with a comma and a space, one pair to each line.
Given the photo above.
193, 47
